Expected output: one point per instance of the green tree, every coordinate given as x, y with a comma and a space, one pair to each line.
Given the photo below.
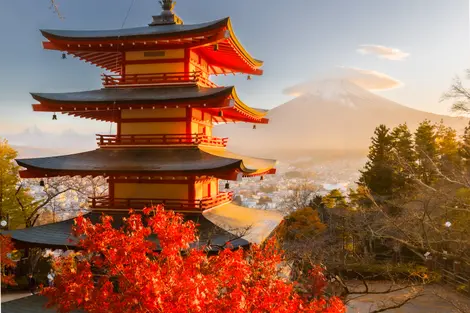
301, 225
404, 159
464, 150
448, 149
9, 192
427, 151
335, 199
378, 172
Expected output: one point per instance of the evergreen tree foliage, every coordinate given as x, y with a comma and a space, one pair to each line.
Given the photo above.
448, 149
334, 199
378, 172
464, 150
404, 158
427, 151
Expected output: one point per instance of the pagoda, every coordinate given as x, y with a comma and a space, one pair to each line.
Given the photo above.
157, 89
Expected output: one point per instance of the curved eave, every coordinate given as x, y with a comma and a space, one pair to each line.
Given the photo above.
239, 112
250, 166
242, 107
255, 62
253, 225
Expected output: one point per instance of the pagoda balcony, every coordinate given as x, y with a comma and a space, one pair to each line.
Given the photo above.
107, 203
159, 140
157, 79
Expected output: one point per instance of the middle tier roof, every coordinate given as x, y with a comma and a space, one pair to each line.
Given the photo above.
196, 161
102, 104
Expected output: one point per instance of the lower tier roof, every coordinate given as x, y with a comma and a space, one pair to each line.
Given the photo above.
229, 222
145, 161
30, 304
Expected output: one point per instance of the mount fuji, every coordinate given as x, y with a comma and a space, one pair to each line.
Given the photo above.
329, 115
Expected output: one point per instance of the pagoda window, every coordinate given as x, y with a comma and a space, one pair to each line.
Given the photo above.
154, 62
156, 113
150, 128
160, 54
151, 191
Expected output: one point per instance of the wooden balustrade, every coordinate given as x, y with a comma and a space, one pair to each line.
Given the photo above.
159, 139
156, 79
171, 204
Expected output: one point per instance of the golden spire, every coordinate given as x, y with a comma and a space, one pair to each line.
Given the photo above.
167, 5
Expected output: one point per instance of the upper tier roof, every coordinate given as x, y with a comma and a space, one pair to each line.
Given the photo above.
136, 32
146, 161
104, 47
101, 104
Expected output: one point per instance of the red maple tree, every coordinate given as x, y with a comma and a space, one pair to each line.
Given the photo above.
6, 248
118, 270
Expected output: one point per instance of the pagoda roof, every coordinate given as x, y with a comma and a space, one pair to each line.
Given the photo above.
135, 95
30, 304
101, 104
104, 47
146, 161
229, 222
136, 32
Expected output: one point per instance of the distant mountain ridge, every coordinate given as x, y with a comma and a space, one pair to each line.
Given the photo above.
332, 115
33, 142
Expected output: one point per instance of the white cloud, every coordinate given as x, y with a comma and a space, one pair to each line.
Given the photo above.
383, 52
366, 79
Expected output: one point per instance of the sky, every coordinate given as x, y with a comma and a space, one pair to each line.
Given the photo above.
407, 51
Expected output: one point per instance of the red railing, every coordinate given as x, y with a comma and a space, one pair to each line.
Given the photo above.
156, 79
160, 139
171, 204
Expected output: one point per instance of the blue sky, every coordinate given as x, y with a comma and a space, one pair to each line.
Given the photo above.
298, 40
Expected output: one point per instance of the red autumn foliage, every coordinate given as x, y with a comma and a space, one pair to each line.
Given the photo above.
6, 248
118, 270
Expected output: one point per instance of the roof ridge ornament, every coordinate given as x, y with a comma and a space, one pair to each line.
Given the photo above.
167, 17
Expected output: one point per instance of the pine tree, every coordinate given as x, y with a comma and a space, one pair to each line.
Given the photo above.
427, 151
404, 159
378, 172
464, 150
448, 149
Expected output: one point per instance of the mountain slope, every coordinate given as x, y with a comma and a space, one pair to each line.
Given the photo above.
333, 115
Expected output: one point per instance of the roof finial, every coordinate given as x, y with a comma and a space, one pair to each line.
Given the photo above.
167, 16
167, 5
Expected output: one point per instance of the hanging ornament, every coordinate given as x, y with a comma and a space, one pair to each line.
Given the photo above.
254, 126
54, 117
227, 185
41, 183
64, 56
248, 77
261, 178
